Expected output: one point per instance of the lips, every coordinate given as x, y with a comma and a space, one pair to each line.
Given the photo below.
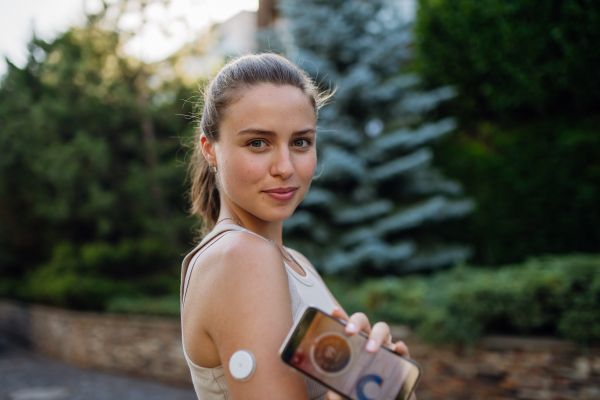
282, 194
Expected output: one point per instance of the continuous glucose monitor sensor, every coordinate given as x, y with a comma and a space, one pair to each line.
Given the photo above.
242, 365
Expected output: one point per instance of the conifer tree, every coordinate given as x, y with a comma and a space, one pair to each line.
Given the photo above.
377, 205
91, 196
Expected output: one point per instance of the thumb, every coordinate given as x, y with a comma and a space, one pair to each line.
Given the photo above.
333, 396
339, 313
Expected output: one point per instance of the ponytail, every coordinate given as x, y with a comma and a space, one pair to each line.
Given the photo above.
204, 192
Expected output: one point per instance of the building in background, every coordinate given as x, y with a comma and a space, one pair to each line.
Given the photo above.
238, 36
234, 37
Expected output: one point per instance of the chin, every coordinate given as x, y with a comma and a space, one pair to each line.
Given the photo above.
277, 215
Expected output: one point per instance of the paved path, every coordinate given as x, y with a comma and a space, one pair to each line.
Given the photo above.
21, 369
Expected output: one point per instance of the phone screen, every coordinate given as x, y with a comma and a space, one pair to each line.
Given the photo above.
320, 348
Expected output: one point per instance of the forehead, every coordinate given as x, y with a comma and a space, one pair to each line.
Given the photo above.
270, 107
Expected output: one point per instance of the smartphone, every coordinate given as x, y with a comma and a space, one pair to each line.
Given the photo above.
319, 348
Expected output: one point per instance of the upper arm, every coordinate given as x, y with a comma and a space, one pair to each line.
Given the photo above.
300, 256
252, 311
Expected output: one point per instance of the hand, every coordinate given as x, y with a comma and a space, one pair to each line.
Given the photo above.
379, 335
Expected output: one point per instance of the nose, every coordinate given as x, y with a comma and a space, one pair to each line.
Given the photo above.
282, 164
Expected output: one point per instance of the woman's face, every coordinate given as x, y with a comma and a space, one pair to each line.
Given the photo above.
266, 154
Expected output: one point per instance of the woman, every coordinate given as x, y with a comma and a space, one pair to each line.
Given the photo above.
253, 163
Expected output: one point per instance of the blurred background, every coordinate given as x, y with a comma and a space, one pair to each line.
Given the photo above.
458, 187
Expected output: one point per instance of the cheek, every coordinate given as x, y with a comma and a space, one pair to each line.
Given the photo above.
242, 170
306, 166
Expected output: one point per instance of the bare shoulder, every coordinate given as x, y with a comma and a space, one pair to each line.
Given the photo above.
238, 267
239, 251
247, 306
234, 258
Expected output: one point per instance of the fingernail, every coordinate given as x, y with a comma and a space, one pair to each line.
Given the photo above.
371, 345
351, 328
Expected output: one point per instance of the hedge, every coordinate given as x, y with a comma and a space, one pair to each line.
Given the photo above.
547, 296
525, 150
536, 185
519, 56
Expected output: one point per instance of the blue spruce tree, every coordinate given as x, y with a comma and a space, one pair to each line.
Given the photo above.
377, 205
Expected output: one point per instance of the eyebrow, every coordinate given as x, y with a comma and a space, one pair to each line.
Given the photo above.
271, 133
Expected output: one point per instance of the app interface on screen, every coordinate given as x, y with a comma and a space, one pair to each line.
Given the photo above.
340, 361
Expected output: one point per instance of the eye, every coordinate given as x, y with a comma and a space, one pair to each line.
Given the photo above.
257, 144
302, 143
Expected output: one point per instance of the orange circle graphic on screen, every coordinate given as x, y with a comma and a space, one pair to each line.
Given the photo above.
331, 353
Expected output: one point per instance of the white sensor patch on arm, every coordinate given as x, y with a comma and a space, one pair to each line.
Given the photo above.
242, 365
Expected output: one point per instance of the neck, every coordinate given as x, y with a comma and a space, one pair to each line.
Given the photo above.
268, 229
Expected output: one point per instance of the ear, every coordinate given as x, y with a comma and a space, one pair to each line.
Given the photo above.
208, 150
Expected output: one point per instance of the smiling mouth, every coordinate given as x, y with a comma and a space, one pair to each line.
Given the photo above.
282, 194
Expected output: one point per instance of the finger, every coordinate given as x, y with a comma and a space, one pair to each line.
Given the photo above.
379, 335
339, 313
358, 322
333, 396
402, 349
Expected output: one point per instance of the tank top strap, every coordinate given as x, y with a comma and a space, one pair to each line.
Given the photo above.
257, 235
306, 279
206, 242
211, 238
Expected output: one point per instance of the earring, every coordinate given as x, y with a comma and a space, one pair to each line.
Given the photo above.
214, 168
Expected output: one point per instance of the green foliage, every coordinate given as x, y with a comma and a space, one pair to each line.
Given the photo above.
526, 148
516, 57
91, 195
537, 187
63, 281
166, 306
94, 274
544, 296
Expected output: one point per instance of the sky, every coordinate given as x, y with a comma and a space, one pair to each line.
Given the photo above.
165, 34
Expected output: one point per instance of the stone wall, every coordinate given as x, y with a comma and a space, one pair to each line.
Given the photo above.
508, 368
497, 368
146, 347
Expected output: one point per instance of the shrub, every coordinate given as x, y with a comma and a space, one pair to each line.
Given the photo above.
537, 188
527, 88
517, 56
167, 306
90, 187
557, 296
91, 276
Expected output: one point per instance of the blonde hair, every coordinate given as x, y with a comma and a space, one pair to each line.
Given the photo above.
224, 89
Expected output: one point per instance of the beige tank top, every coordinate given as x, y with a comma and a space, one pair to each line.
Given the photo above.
210, 383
